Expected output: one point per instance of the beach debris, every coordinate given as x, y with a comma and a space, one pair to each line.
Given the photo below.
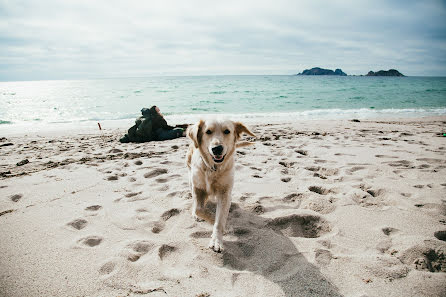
23, 162
6, 144
355, 120
99, 125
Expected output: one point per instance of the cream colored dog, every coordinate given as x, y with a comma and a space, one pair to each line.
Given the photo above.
211, 170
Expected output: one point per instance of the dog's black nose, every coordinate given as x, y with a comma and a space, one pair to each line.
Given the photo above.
217, 150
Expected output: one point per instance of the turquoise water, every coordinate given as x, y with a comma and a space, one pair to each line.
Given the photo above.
254, 97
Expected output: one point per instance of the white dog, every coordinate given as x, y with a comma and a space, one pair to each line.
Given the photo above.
211, 170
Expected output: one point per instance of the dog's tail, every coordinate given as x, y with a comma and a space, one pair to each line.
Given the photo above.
243, 144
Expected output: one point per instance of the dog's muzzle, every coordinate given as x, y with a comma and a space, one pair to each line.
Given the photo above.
217, 154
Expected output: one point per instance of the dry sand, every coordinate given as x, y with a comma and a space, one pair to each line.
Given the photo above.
320, 208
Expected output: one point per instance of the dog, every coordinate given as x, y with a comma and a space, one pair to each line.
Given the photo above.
210, 159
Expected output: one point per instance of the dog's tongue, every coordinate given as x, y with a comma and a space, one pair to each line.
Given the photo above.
218, 157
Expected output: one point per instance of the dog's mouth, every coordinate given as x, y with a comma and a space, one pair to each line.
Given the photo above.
218, 158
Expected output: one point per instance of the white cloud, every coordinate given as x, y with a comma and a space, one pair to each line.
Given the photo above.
85, 39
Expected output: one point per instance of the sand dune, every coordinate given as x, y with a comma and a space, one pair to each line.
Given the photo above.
320, 208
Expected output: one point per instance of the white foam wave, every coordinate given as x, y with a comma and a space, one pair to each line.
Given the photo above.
319, 114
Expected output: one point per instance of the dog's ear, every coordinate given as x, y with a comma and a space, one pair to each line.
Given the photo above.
240, 129
194, 132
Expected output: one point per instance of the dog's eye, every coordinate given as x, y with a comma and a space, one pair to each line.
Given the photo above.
226, 131
208, 132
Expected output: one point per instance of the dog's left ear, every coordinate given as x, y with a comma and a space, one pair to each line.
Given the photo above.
240, 129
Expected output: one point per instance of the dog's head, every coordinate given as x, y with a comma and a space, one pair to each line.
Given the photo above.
217, 139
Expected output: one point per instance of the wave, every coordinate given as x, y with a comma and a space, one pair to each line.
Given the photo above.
315, 114
257, 117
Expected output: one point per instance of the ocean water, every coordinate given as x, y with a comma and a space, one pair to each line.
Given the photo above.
250, 98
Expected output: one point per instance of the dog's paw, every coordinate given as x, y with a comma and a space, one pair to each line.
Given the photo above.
216, 245
197, 218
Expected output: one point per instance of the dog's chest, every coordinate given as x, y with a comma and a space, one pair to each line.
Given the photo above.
218, 182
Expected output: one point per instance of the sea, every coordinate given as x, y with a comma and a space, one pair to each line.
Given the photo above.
36, 106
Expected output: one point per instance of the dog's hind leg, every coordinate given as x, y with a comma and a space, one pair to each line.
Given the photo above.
199, 212
221, 215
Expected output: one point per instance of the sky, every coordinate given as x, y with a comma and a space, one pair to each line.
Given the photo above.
78, 39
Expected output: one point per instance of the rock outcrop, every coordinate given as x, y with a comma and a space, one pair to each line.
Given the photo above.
390, 72
321, 71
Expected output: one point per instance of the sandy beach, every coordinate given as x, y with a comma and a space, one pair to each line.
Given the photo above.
319, 208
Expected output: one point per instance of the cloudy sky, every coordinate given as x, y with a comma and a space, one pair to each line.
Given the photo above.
75, 39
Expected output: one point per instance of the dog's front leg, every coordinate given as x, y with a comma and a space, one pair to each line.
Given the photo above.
221, 215
199, 212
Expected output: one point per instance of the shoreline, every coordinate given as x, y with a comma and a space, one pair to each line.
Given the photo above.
91, 127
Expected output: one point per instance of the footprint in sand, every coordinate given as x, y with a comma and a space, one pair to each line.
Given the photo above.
133, 194
165, 250
401, 164
161, 180
155, 172
389, 231
356, 168
293, 197
78, 224
369, 197
256, 208
201, 234
112, 177
163, 188
138, 162
308, 226
170, 213
107, 268
90, 241
137, 249
159, 226
323, 171
115, 151
323, 257
440, 235
93, 207
320, 204
375, 193
302, 152
319, 190
16, 197
386, 156
428, 256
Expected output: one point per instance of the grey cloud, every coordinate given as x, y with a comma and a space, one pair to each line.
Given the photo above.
61, 39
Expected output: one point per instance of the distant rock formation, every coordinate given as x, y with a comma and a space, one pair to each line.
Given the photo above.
390, 72
321, 71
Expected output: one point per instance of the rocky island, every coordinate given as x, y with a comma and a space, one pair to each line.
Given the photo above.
390, 72
321, 71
